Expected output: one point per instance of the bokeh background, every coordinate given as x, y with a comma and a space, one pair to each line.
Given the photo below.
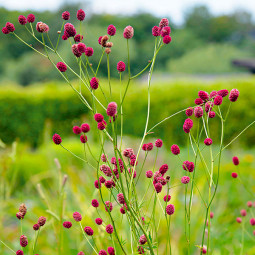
213, 47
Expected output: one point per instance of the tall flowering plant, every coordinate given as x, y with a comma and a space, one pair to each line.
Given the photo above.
118, 171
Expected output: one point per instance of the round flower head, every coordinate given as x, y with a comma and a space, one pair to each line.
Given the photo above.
144, 147
188, 166
102, 252
189, 111
80, 15
100, 39
121, 66
199, 101
98, 117
98, 221
211, 215
211, 114
101, 125
235, 161
36, 227
128, 32
89, 231
167, 198
42, 27
175, 149
81, 47
19, 252
77, 216
5, 31
108, 206
198, 112
23, 209
128, 152
81, 253
149, 146
108, 184
234, 175
167, 39
109, 229
204, 251
23, 241
208, 106
104, 158
252, 221
223, 92
89, 51
111, 30
66, 15
83, 138
163, 169
158, 187
158, 143
149, 174
165, 31
61, 67
85, 128
76, 130
203, 95
243, 212
111, 109
142, 240
120, 198
238, 219
96, 184
188, 123
57, 139
102, 179
213, 94
95, 203
249, 203
218, 100
208, 141
170, 209
156, 31
30, 18
64, 37
67, 224
19, 215
94, 82
70, 30
41, 221
233, 95
185, 179
10, 27
110, 251
163, 23
75, 50
22, 20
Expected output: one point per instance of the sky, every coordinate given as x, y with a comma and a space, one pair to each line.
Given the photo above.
171, 8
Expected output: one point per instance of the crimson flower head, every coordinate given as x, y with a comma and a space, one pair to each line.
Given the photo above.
41, 221
149, 146
199, 101
81, 253
235, 161
211, 114
120, 198
85, 128
208, 106
167, 198
158, 143
185, 179
102, 252
163, 169
10, 27
81, 15
81, 46
102, 125
98, 221
22, 20
167, 39
175, 149
111, 30
36, 227
156, 31
94, 82
75, 50
5, 30
30, 18
111, 251
121, 66
83, 138
111, 109
165, 31
77, 216
203, 95
76, 130
234, 175
57, 139
163, 23
218, 100
142, 240
108, 206
208, 141
158, 187
170, 209
66, 15
78, 38
223, 92
89, 51
149, 174
98, 117
188, 166
19, 252
198, 112
109, 229
42, 27
61, 67
213, 94
95, 203
89, 231
67, 224
23, 241
233, 95
252, 221
189, 111
128, 32
70, 30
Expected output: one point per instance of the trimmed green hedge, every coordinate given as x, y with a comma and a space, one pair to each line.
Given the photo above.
27, 111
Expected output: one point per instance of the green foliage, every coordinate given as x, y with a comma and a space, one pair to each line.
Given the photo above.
27, 111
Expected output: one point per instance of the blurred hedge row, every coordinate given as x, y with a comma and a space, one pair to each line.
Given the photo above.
26, 112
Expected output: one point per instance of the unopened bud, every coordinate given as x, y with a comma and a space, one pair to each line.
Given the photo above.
64, 180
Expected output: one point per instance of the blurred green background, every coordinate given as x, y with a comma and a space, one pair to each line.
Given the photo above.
35, 103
